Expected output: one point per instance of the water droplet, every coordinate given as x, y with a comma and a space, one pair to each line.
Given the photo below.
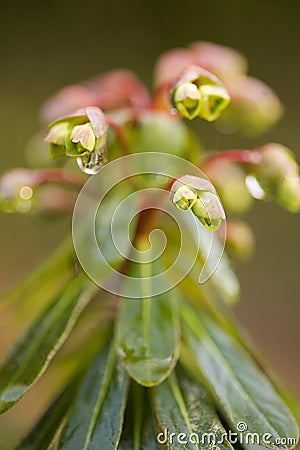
255, 188
92, 162
26, 193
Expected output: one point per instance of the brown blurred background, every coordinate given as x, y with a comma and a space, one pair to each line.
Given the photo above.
46, 45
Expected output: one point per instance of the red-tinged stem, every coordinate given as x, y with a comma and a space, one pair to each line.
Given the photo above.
148, 218
58, 175
247, 157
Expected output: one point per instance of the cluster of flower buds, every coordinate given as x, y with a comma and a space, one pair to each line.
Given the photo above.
253, 108
278, 175
198, 195
199, 93
81, 135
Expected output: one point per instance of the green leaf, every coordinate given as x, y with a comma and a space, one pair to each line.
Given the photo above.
43, 433
236, 383
111, 226
139, 432
32, 354
223, 283
98, 412
148, 334
184, 407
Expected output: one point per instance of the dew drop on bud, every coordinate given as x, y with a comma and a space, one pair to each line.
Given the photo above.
92, 162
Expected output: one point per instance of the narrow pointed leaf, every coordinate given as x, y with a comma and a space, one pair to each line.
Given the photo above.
238, 386
183, 406
223, 283
31, 355
148, 334
139, 433
43, 433
98, 412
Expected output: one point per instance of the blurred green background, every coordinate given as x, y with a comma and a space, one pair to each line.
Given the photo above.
46, 45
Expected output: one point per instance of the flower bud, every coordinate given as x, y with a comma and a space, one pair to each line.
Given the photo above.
225, 62
184, 197
214, 100
187, 100
277, 162
288, 194
208, 209
198, 194
80, 135
229, 179
254, 107
278, 175
200, 93
240, 241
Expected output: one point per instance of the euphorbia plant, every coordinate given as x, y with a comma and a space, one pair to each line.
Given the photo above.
164, 363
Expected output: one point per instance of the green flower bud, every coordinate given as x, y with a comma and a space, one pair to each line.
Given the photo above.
200, 93
184, 197
198, 194
215, 100
84, 134
79, 135
254, 107
288, 194
208, 209
187, 100
277, 162
278, 175
229, 179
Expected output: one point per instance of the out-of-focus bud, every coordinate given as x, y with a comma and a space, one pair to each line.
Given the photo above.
111, 90
67, 100
119, 89
171, 64
198, 194
203, 92
24, 190
187, 100
254, 107
51, 199
229, 179
81, 135
288, 194
225, 62
16, 190
240, 241
278, 175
